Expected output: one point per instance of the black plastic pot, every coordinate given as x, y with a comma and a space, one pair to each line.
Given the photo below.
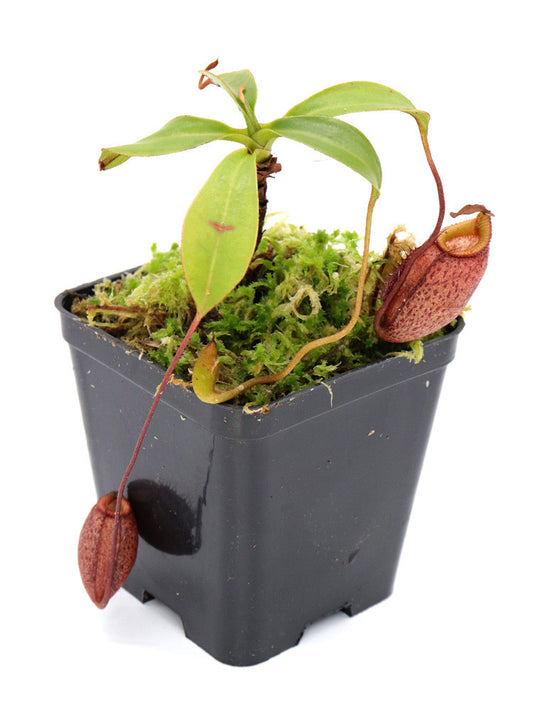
254, 525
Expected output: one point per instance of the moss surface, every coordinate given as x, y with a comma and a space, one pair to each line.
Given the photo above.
299, 287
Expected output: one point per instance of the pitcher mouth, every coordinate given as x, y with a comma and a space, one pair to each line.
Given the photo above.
466, 239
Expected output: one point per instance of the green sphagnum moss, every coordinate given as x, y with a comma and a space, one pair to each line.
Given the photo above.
299, 287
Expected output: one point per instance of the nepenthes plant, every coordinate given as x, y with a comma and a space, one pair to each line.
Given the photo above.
223, 228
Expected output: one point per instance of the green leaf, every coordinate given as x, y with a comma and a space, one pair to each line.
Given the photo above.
220, 230
179, 134
356, 96
352, 97
233, 82
336, 139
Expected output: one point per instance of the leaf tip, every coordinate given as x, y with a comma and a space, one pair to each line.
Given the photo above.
205, 81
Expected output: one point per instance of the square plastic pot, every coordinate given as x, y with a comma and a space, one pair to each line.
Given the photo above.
252, 526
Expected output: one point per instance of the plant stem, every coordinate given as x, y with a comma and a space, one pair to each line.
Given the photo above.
120, 494
264, 170
440, 191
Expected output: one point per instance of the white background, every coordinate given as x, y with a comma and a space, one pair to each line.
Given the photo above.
456, 634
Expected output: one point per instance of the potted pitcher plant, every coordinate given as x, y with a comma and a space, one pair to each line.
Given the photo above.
257, 401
